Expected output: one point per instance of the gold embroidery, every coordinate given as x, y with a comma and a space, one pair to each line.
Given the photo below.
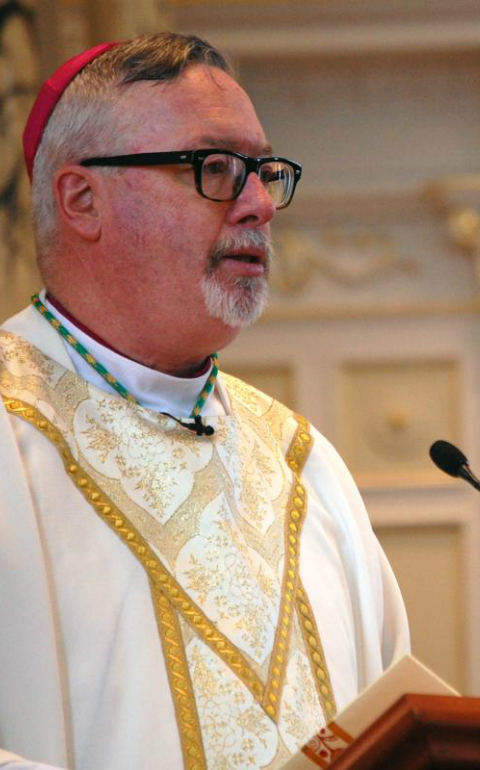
300, 713
204, 577
142, 466
236, 730
17, 351
99, 439
273, 425
117, 521
168, 624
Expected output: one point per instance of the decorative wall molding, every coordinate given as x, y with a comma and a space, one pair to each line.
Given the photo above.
456, 199
340, 28
378, 310
390, 412
346, 258
429, 37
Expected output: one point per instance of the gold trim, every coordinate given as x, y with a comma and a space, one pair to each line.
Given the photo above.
313, 645
169, 631
180, 681
299, 448
296, 508
167, 594
296, 458
164, 581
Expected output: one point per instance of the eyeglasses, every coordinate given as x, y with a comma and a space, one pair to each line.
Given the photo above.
220, 175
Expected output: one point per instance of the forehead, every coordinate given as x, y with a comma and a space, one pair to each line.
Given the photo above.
202, 108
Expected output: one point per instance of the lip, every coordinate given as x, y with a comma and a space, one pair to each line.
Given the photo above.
243, 255
248, 262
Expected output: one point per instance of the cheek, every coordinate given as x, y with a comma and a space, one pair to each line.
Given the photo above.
175, 243
171, 227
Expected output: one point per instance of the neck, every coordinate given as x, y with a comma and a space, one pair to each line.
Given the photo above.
193, 368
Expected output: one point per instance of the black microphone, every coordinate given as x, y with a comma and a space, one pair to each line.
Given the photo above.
197, 425
451, 460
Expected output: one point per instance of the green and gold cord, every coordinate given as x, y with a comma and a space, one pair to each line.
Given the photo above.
103, 372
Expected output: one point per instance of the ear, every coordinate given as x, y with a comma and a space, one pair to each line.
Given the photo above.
78, 193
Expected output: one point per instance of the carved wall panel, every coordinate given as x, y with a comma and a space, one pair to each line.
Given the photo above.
391, 412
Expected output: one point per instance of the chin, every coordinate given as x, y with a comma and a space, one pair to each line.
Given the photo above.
237, 304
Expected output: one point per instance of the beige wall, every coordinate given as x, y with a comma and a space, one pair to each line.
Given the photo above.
373, 328
429, 563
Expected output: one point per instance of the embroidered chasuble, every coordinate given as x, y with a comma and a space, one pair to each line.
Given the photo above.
216, 524
170, 600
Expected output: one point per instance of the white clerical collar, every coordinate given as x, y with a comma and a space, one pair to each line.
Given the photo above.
152, 389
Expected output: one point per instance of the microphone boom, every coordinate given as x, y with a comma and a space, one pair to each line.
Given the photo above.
451, 460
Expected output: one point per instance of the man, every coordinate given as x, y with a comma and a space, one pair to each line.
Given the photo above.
169, 597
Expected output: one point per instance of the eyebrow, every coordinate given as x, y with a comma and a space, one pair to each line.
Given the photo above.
227, 144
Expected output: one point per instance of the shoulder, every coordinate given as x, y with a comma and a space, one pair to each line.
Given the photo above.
20, 323
245, 395
331, 479
269, 418
29, 331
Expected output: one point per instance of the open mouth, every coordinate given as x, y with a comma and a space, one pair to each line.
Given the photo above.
249, 258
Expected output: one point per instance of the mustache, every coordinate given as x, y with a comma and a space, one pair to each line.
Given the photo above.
244, 240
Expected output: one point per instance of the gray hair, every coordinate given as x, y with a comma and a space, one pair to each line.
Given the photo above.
85, 122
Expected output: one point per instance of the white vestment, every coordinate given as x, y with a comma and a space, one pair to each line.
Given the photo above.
168, 600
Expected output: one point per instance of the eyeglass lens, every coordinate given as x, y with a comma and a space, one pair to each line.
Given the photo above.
223, 176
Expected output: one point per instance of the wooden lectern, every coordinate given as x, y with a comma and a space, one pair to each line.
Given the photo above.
419, 732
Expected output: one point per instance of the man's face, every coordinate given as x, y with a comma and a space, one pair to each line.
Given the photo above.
176, 253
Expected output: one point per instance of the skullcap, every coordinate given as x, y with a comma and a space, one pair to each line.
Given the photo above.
48, 97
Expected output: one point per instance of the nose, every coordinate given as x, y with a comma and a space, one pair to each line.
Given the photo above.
254, 205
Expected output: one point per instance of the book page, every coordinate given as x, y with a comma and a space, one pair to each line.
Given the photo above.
407, 675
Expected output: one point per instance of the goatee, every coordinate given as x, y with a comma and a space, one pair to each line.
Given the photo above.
240, 300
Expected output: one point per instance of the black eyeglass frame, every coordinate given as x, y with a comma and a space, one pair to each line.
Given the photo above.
196, 158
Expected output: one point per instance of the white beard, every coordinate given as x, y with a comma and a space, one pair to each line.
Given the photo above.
239, 303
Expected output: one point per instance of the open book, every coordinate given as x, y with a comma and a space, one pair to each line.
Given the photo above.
408, 675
